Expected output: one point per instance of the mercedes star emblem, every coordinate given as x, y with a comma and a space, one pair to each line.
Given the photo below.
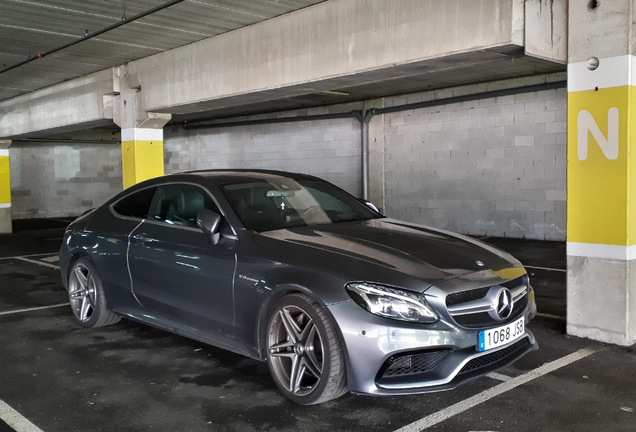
504, 303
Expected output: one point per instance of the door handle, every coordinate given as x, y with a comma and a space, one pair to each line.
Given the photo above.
143, 238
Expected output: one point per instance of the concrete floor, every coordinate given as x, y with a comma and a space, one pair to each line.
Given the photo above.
130, 377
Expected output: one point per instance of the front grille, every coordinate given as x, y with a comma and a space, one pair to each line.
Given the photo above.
411, 364
515, 282
484, 320
466, 296
495, 357
479, 293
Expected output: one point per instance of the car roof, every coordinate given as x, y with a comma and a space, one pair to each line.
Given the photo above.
225, 176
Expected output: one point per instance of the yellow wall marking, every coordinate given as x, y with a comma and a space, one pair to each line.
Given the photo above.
5, 180
599, 161
141, 160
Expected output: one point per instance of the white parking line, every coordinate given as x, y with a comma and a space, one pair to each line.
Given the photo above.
51, 259
23, 256
557, 317
38, 262
546, 268
486, 395
33, 309
16, 420
498, 376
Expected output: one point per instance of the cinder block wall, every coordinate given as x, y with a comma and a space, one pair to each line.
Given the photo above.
53, 180
329, 149
494, 167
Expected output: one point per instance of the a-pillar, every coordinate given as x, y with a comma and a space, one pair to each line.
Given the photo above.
5, 188
601, 190
142, 155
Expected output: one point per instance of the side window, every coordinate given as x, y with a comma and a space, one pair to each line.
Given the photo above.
180, 204
136, 205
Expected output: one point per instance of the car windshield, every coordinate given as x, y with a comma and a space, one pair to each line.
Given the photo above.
266, 204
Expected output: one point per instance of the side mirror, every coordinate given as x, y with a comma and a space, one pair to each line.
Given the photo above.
209, 222
370, 205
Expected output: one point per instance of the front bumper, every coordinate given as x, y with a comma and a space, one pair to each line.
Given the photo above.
444, 353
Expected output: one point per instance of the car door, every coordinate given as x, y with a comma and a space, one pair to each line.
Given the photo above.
111, 237
178, 273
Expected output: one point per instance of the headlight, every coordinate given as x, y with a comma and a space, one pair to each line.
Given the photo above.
392, 303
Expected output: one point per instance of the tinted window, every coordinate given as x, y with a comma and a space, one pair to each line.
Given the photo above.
278, 202
180, 204
136, 205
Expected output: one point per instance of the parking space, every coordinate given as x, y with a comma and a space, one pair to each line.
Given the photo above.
61, 377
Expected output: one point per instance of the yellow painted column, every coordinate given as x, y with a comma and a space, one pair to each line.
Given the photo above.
601, 210
5, 192
142, 155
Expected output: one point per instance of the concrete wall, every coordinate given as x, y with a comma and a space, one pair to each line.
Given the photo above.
57, 180
329, 149
491, 167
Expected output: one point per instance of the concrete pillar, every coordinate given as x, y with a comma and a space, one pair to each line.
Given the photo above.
5, 188
141, 134
142, 155
601, 224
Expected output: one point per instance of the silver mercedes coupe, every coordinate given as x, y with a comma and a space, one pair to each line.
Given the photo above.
290, 269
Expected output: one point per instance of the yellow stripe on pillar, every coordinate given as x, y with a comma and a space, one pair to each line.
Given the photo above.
142, 155
5, 179
601, 210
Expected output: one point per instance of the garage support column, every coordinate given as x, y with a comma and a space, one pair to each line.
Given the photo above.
5, 188
141, 133
142, 155
601, 216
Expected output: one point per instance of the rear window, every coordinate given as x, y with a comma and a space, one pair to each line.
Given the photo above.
136, 205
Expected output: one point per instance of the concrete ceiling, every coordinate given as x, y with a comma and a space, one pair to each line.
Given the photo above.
30, 27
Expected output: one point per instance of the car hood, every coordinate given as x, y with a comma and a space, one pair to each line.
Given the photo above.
428, 254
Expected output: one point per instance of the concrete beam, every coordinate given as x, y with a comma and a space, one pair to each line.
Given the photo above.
77, 104
370, 48
316, 48
546, 29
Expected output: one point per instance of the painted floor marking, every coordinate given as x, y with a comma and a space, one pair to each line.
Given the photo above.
25, 256
16, 420
546, 268
51, 259
38, 262
34, 309
486, 395
498, 376
551, 316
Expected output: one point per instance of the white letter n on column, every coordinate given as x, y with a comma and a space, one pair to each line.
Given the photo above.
609, 146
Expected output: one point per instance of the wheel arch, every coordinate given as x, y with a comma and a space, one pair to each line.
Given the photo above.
267, 309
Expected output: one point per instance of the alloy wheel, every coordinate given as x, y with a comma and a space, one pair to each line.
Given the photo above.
295, 350
82, 293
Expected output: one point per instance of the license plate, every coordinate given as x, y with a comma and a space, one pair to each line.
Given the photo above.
499, 336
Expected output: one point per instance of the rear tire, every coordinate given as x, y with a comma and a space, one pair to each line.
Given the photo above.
86, 295
304, 352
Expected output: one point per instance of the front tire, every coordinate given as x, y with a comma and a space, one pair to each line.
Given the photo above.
304, 352
86, 295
